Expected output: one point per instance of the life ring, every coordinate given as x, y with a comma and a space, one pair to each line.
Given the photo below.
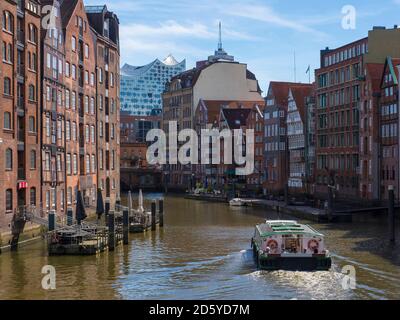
55, 238
313, 245
272, 244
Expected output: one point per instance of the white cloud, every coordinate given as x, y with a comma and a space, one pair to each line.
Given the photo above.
267, 14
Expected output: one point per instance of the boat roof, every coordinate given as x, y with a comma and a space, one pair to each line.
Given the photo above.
284, 227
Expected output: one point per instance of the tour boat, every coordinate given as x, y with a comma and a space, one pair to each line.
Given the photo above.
288, 245
237, 202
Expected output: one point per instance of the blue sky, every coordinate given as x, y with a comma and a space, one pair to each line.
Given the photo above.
262, 33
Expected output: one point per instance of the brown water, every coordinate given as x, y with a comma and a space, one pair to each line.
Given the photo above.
203, 252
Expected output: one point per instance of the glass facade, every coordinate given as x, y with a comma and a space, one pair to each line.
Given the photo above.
141, 87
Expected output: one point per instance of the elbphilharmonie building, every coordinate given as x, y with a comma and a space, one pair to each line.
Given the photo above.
141, 87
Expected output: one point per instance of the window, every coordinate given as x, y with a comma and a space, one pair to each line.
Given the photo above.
60, 66
74, 131
73, 100
32, 125
93, 164
7, 120
32, 196
100, 70
67, 69
7, 86
92, 134
73, 72
69, 195
32, 35
86, 51
31, 92
68, 164
112, 79
68, 130
47, 161
8, 21
48, 60
87, 164
91, 105
73, 44
33, 159
9, 159
75, 164
67, 99
9, 200
92, 79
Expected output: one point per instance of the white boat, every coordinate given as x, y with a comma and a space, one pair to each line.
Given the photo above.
288, 245
237, 202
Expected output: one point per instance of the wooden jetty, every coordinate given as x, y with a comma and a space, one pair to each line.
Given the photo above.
80, 240
141, 220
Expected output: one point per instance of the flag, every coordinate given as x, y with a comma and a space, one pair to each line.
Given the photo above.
308, 69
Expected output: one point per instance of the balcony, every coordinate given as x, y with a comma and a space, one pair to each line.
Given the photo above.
21, 73
20, 8
20, 106
21, 39
21, 139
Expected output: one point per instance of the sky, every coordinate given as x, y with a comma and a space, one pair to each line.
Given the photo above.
267, 35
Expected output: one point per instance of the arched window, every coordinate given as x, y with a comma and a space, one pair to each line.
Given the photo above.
7, 120
32, 33
8, 21
9, 159
33, 159
7, 86
9, 200
10, 53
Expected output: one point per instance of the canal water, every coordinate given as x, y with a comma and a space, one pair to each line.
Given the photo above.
203, 252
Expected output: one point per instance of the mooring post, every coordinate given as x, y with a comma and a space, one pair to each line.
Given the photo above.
111, 231
52, 220
153, 216
106, 209
70, 216
125, 226
161, 212
286, 194
391, 215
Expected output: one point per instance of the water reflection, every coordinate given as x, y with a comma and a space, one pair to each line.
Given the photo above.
203, 253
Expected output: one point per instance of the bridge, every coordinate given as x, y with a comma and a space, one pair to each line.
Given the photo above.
144, 178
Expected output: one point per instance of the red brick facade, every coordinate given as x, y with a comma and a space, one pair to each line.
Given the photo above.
20, 102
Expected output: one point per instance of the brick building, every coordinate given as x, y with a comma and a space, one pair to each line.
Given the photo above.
369, 132
20, 107
339, 88
275, 137
389, 128
135, 128
296, 133
51, 115
105, 26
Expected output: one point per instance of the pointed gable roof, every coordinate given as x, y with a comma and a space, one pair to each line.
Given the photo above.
390, 64
299, 96
67, 9
280, 91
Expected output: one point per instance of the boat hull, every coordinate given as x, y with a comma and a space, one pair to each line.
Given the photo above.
300, 263
294, 263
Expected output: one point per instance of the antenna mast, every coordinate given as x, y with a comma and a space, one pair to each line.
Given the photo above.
220, 37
